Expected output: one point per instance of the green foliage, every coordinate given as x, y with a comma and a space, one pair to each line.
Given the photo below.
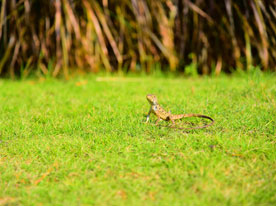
191, 69
84, 142
132, 36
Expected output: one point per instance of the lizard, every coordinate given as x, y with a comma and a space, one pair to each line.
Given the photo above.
156, 109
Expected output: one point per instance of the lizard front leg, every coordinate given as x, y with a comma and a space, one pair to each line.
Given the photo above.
156, 123
148, 116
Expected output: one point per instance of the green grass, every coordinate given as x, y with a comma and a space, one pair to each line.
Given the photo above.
84, 142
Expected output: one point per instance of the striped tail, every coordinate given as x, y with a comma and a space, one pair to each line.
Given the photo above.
180, 116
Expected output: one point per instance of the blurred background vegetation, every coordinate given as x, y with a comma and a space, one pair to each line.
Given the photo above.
59, 37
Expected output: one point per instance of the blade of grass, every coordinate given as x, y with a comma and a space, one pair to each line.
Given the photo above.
2, 16
57, 32
104, 51
263, 35
7, 53
108, 33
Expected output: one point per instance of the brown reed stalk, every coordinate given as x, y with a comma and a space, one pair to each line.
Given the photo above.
109, 35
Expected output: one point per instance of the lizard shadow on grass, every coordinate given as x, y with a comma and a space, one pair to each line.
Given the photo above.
186, 126
180, 129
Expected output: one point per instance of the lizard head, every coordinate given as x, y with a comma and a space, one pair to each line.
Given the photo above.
152, 99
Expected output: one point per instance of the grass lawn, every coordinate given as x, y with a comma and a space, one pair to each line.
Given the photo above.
84, 142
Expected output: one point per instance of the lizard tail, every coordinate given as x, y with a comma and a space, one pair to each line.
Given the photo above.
180, 116
194, 115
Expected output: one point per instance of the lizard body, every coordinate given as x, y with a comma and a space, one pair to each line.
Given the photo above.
167, 116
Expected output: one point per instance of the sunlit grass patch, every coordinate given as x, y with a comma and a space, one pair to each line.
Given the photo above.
85, 141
